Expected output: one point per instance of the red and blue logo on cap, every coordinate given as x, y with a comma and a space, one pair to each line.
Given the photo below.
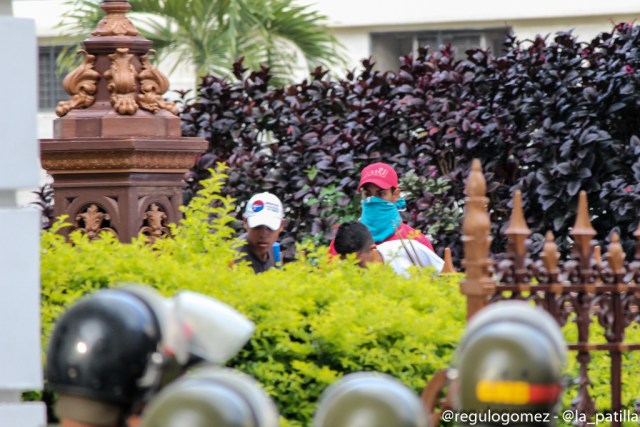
257, 206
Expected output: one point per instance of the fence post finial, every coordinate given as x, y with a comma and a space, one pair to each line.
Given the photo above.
550, 257
615, 256
448, 262
583, 233
597, 255
517, 233
636, 234
476, 228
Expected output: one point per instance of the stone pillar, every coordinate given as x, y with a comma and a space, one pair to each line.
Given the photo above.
117, 157
20, 353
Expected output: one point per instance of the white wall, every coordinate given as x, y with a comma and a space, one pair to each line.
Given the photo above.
352, 21
20, 357
366, 13
46, 13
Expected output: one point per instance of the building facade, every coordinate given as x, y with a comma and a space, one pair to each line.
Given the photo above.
382, 29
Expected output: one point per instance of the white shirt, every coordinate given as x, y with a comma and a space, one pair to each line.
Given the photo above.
402, 254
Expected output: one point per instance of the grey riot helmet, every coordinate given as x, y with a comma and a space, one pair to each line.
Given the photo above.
510, 361
212, 396
369, 400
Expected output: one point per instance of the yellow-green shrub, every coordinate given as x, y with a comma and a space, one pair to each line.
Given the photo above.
316, 320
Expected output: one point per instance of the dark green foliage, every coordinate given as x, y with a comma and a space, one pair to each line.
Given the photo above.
549, 117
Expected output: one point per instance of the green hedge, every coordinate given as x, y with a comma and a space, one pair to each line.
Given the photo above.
316, 320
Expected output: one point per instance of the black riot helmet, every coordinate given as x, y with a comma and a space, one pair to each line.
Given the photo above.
107, 347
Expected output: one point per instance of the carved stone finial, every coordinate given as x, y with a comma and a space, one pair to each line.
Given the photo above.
448, 262
115, 22
81, 84
121, 79
152, 85
615, 255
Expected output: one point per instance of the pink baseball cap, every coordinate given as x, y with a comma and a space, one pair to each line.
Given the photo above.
380, 174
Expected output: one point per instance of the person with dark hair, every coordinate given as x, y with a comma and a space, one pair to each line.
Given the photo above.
381, 206
355, 238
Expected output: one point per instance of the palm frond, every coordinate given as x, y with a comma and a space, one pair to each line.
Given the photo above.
212, 34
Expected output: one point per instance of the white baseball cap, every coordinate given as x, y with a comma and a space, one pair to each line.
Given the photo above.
264, 209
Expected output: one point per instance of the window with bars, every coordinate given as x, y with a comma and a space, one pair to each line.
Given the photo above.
386, 48
50, 90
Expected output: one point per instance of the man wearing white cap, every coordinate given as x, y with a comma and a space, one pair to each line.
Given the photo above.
264, 220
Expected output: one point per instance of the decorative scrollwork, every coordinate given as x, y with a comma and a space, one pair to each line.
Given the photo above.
93, 222
121, 78
153, 84
154, 218
81, 84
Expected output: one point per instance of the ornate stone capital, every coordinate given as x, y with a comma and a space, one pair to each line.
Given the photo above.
116, 58
117, 157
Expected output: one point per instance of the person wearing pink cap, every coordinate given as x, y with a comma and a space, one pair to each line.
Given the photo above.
381, 205
263, 220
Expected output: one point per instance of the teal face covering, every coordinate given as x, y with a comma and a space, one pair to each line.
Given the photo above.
381, 217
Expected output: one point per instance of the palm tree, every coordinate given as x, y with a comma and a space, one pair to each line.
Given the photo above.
212, 34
